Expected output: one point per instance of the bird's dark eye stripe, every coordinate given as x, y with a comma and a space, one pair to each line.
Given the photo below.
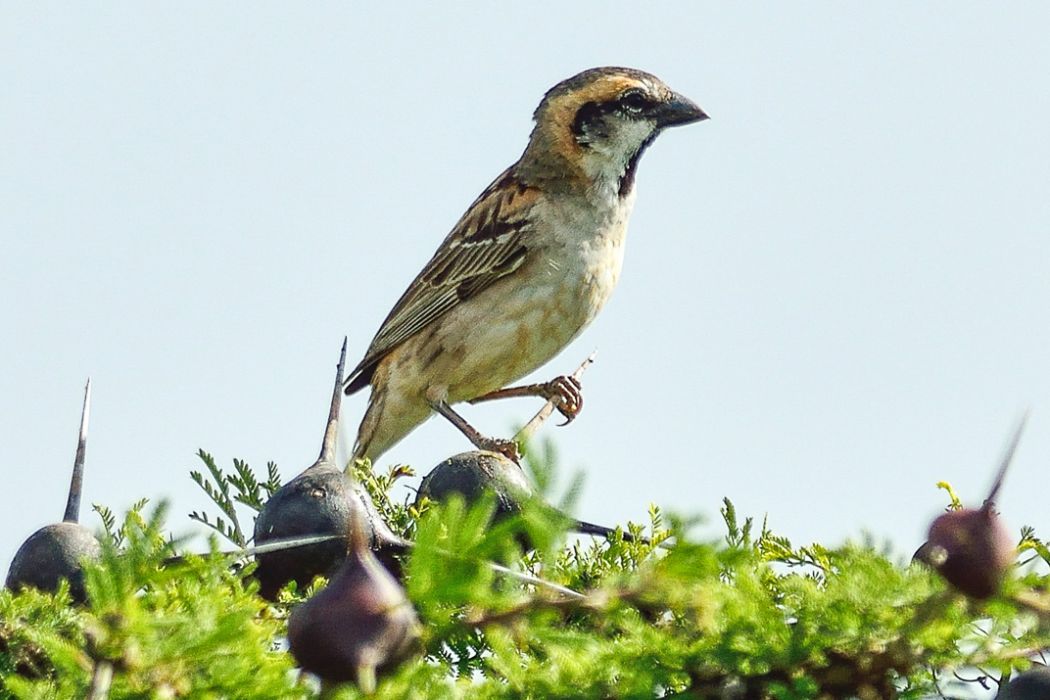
588, 115
633, 101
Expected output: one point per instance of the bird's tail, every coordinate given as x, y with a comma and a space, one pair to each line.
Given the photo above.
392, 413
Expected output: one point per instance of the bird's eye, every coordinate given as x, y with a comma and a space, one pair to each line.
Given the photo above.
634, 100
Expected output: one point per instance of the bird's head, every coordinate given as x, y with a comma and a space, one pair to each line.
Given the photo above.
594, 126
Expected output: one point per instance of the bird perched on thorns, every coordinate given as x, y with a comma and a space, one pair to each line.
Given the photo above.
529, 266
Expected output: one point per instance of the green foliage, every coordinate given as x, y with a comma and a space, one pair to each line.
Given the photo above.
750, 615
188, 629
228, 490
28, 621
400, 515
115, 533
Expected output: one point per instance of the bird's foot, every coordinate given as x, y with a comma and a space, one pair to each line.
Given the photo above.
567, 394
564, 392
507, 448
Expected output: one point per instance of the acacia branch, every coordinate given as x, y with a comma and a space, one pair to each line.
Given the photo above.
101, 680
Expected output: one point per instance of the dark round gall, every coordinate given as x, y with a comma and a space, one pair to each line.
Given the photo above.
58, 551
472, 474
972, 550
53, 553
317, 502
971, 547
359, 625
1033, 684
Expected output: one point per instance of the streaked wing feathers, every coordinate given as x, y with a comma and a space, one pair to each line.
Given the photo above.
485, 245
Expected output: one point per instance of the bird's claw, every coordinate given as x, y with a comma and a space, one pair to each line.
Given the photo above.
567, 394
507, 448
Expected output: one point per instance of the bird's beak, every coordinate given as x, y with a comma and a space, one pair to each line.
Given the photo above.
679, 110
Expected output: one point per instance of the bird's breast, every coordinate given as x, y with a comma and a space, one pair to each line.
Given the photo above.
528, 317
581, 266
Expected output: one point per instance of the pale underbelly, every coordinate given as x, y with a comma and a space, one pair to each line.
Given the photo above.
505, 333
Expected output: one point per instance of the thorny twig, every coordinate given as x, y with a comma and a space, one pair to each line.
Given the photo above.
592, 600
101, 680
537, 581
304, 541
1034, 603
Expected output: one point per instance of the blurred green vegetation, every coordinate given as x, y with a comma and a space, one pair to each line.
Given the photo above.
750, 615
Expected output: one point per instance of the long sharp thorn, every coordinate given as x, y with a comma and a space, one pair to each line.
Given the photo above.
331, 431
1008, 457
76, 482
266, 548
536, 581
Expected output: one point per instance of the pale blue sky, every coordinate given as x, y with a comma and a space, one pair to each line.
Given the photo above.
835, 293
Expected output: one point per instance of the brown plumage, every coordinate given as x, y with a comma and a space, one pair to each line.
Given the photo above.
529, 264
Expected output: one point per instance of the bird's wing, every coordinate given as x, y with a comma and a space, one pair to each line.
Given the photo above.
485, 245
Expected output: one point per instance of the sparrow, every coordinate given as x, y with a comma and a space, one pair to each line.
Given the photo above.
527, 268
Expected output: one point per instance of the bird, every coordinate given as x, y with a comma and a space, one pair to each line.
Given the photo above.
527, 267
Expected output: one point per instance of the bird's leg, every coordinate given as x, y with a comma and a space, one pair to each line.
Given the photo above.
508, 448
565, 391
